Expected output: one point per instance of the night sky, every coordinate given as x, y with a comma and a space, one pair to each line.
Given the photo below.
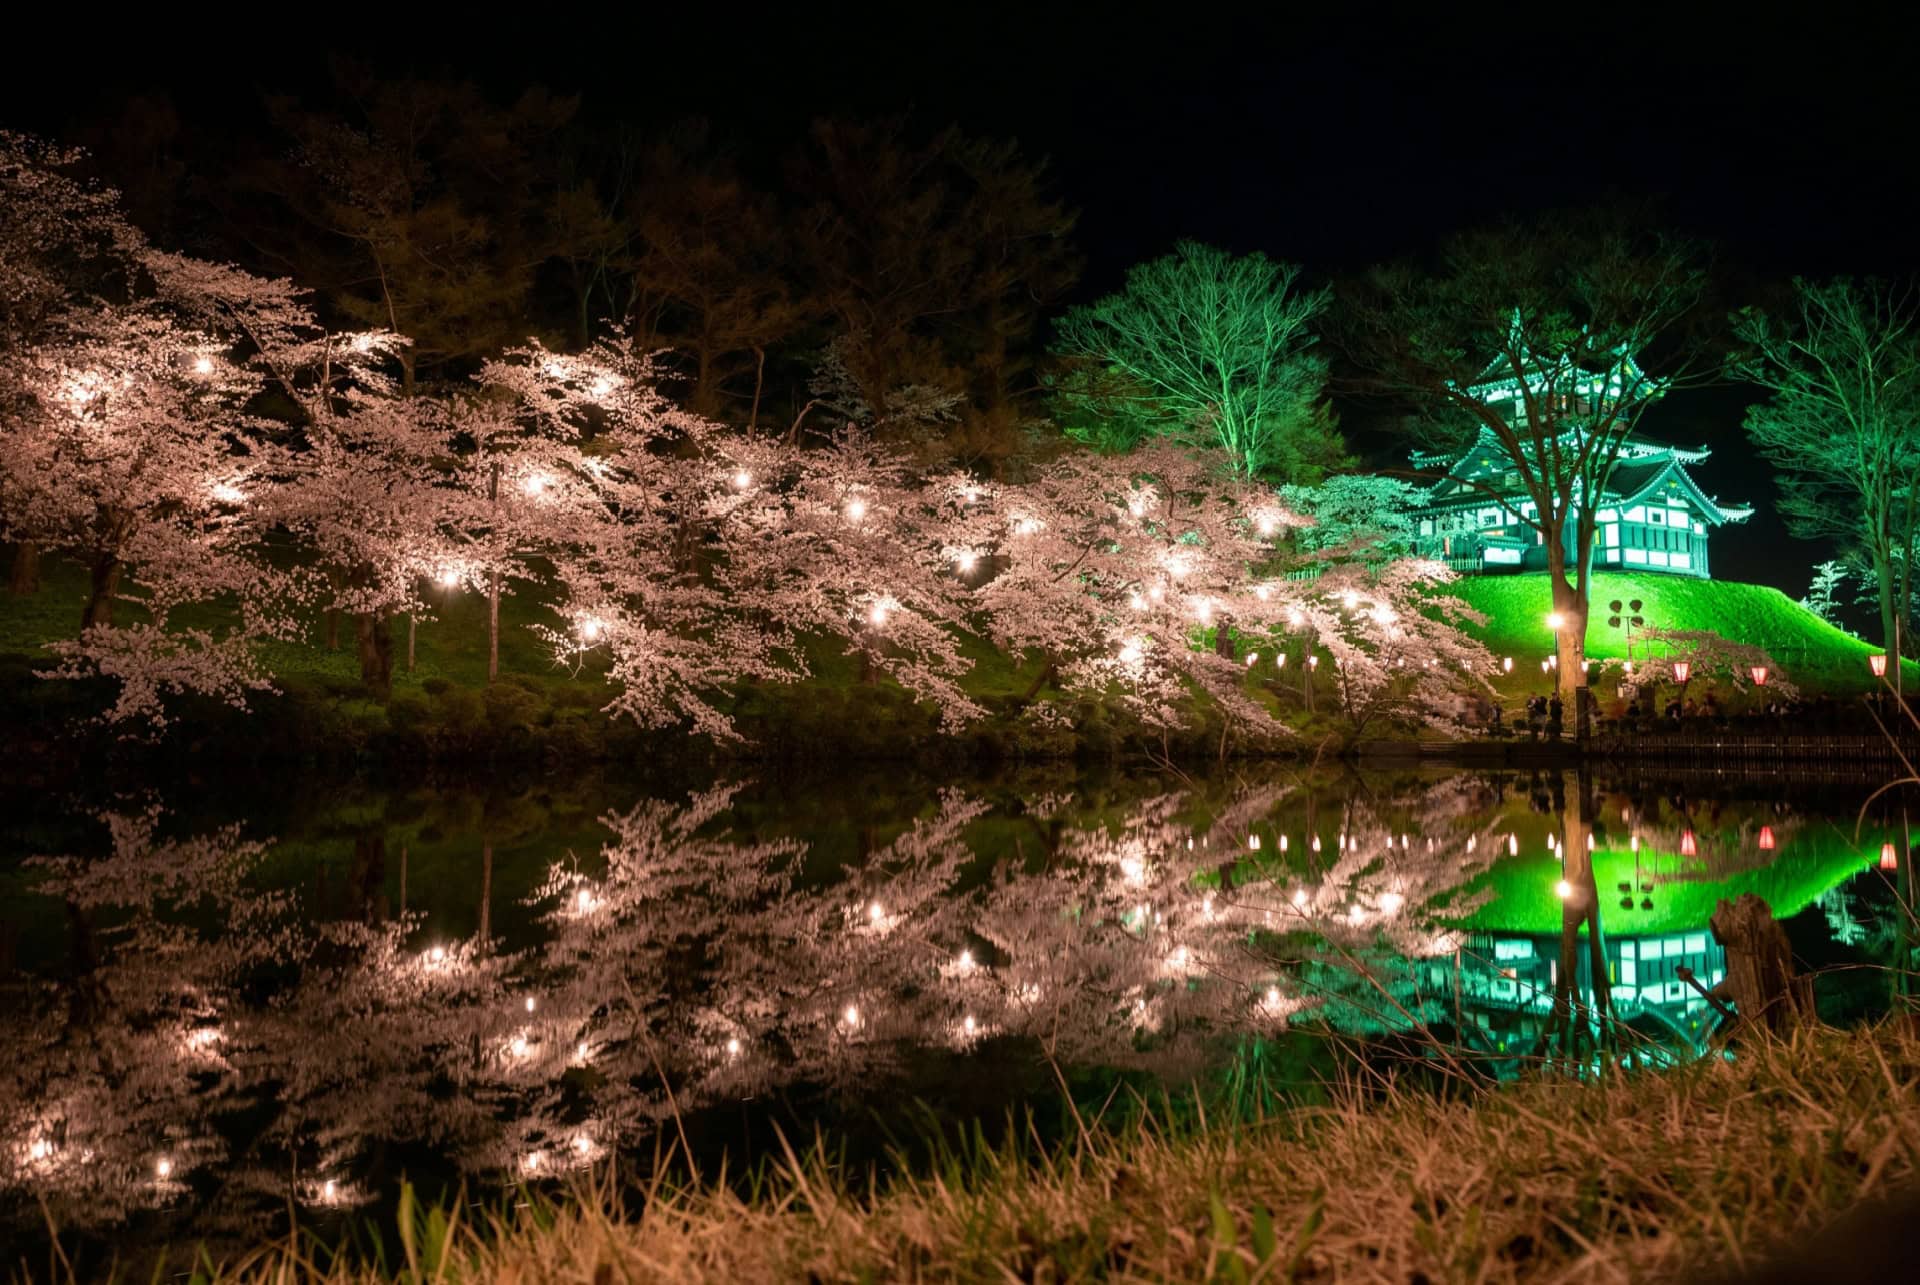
1786, 136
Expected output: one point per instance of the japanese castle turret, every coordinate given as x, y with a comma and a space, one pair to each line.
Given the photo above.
1652, 515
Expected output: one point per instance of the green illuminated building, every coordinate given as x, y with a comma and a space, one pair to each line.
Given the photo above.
1652, 515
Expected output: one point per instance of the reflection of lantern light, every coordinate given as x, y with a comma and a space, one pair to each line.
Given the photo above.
856, 509
1681, 670
1687, 846
742, 480
1313, 662
1766, 838
1879, 665
1555, 620
1759, 673
1283, 843
851, 1016
1507, 664
1253, 658
1273, 997
968, 560
967, 1024
1889, 859
1563, 890
531, 1005
1253, 842
966, 960
875, 913
733, 1046
1513, 845
1300, 898
203, 365
162, 1167
1390, 902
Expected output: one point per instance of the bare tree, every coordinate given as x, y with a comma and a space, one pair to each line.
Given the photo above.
1842, 423
1221, 341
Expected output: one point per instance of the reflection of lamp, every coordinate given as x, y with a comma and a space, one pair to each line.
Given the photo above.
1879, 664
1759, 673
1889, 859
1766, 838
1687, 846
1681, 669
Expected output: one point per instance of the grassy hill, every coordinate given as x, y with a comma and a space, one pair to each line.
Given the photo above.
1813, 653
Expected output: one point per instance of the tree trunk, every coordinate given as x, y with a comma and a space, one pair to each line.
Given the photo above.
106, 583
411, 622
493, 626
1223, 638
333, 629
1040, 680
759, 382
1306, 675
1761, 979
374, 634
25, 578
486, 889
1570, 603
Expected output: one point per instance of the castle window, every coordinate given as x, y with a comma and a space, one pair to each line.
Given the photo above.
1677, 517
1612, 530
1657, 516
1658, 558
1637, 557
1637, 513
1683, 561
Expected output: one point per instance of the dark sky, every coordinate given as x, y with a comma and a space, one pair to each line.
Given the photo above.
1788, 136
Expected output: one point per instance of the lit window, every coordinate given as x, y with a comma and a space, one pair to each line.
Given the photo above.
1699, 529
1637, 556
1677, 517
1696, 943
1612, 534
1657, 516
1426, 526
1658, 558
1609, 515
1683, 561
1611, 555
1637, 514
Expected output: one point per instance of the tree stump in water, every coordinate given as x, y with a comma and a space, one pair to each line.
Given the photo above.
1761, 980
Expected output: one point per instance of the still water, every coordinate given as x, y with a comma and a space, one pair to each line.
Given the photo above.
224, 1010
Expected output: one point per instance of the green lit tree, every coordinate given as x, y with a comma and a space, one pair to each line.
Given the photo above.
1529, 337
1842, 424
1221, 347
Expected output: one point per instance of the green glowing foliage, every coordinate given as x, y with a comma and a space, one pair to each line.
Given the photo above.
1217, 347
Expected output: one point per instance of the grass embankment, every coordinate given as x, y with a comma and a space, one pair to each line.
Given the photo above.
1818, 657
1673, 1174
443, 708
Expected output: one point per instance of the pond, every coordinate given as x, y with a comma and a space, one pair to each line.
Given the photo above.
226, 1007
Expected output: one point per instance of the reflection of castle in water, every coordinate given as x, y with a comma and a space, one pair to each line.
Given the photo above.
1509, 982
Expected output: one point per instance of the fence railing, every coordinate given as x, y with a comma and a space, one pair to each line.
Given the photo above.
1749, 746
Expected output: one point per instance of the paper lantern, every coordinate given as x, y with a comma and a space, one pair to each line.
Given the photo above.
1681, 669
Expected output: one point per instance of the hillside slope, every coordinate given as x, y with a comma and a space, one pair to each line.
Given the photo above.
1813, 653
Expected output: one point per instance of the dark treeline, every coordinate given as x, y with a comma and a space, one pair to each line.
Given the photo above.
875, 264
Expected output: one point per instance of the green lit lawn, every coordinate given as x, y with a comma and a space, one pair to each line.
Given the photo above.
1814, 654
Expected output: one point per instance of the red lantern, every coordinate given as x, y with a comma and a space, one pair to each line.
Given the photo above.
1766, 838
1681, 669
1759, 673
1687, 846
1879, 664
1889, 859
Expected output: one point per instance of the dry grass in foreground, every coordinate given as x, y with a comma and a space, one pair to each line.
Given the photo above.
1651, 1176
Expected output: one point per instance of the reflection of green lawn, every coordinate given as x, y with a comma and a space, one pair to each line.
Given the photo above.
1524, 900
